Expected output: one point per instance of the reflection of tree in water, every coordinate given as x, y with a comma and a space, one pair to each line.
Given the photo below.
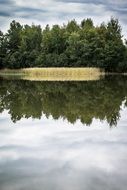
69, 100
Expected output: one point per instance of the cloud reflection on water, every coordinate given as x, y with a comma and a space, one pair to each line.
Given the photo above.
48, 154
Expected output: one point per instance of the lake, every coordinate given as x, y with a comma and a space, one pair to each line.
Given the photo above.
63, 135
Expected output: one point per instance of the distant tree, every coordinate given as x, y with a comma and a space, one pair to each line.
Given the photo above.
2, 50
73, 49
53, 40
114, 48
114, 29
72, 26
30, 45
31, 38
87, 23
14, 36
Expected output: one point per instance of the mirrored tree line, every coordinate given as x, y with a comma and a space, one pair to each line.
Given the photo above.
72, 101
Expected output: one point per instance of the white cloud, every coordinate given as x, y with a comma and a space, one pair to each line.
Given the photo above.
54, 11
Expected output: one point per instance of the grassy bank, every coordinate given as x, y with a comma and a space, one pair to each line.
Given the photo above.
54, 74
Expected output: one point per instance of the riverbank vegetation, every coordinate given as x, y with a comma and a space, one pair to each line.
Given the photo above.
71, 45
54, 74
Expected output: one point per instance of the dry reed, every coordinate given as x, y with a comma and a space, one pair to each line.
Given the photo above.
55, 74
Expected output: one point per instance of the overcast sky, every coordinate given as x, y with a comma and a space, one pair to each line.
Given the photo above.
60, 11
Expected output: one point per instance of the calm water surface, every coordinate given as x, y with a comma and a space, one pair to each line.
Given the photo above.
63, 135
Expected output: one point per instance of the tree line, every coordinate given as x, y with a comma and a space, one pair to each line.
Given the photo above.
70, 45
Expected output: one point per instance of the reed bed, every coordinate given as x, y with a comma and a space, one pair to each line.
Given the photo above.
55, 74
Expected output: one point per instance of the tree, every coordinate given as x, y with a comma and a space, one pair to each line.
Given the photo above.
31, 39
70, 45
87, 23
2, 49
72, 26
14, 36
114, 49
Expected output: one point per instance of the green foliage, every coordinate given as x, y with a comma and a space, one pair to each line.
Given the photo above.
87, 23
2, 50
72, 26
14, 36
70, 45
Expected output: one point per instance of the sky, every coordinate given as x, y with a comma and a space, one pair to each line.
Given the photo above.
61, 11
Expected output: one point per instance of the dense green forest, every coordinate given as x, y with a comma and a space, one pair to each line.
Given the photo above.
72, 101
70, 45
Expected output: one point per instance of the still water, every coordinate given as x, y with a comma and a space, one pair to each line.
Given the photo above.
63, 135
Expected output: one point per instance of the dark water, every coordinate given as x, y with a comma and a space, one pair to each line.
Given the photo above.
63, 135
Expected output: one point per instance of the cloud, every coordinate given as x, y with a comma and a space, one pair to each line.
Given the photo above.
5, 7
60, 11
6, 2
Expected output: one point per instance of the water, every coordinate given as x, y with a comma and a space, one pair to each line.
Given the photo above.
63, 135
